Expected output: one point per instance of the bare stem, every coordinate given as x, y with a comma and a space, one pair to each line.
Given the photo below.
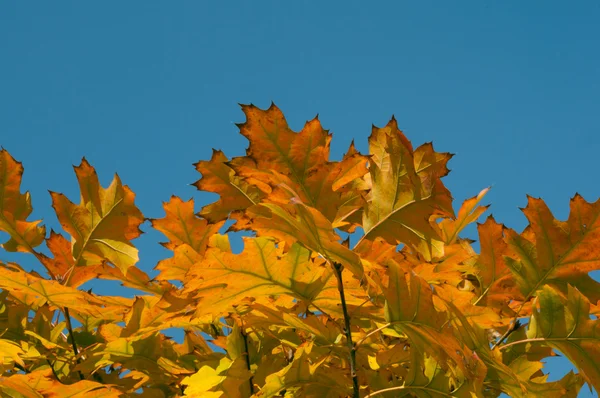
515, 324
247, 356
72, 335
338, 273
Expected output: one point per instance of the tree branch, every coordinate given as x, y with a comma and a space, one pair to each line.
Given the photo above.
338, 273
247, 356
73, 343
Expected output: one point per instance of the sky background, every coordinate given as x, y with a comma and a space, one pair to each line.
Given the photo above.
146, 89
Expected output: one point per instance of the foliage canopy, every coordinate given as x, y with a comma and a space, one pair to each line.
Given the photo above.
410, 309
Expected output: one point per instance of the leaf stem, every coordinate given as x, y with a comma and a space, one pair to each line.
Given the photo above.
73, 343
546, 340
338, 273
407, 388
371, 333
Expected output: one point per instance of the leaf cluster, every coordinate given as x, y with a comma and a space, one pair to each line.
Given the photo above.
409, 309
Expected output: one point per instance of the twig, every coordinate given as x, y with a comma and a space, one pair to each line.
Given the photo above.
73, 343
338, 273
514, 326
247, 355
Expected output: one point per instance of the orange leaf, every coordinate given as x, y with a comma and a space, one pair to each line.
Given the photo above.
15, 207
219, 178
469, 212
306, 225
181, 225
557, 252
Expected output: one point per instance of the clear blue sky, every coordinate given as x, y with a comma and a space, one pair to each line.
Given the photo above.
147, 88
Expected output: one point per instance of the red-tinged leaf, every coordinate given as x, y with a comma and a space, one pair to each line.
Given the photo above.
62, 265
278, 157
274, 146
495, 278
552, 251
15, 208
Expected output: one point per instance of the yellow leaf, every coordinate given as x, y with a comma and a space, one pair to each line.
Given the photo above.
223, 279
407, 190
469, 212
182, 226
307, 226
103, 224
565, 324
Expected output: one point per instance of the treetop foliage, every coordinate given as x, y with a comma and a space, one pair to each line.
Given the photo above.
410, 309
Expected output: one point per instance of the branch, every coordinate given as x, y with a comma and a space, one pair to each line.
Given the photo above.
247, 356
73, 343
514, 326
338, 273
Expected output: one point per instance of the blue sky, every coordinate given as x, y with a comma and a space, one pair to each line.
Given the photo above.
146, 89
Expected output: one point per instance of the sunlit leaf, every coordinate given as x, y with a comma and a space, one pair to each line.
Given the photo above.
15, 208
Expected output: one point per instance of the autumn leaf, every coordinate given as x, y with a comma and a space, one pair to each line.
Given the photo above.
262, 269
35, 292
188, 234
306, 225
235, 193
409, 309
62, 265
426, 378
279, 157
103, 224
496, 281
15, 208
225, 380
302, 377
468, 213
565, 324
181, 225
40, 384
556, 252
406, 190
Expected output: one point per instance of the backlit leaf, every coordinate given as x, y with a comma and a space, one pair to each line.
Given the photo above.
406, 189
15, 208
103, 224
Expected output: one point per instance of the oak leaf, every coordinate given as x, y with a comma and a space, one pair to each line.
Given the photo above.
104, 222
15, 208
556, 252
407, 190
